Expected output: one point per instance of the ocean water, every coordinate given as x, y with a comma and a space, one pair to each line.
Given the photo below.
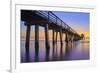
68, 52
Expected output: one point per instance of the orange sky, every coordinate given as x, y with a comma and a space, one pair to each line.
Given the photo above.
42, 35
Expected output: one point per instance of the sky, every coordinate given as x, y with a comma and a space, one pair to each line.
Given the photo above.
77, 20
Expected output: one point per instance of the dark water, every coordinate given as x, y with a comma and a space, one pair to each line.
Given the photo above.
72, 51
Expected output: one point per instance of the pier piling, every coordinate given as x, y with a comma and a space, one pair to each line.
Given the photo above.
36, 42
27, 43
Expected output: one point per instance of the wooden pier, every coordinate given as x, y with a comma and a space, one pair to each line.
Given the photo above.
49, 21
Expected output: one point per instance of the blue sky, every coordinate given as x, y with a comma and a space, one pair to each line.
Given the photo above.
77, 20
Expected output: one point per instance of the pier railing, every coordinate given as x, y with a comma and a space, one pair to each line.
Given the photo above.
52, 18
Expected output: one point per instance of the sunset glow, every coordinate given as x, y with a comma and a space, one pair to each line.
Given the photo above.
78, 21
43, 36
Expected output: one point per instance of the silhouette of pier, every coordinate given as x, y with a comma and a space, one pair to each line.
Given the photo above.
49, 21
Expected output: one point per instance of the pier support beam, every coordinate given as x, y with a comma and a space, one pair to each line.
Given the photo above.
53, 38
47, 44
72, 38
69, 38
66, 42
53, 42
27, 43
36, 42
66, 38
61, 42
56, 42
56, 36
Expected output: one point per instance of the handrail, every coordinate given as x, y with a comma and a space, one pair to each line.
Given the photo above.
53, 18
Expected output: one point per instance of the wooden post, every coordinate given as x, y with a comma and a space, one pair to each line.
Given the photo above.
53, 37
61, 48
53, 42
56, 36
61, 37
27, 43
71, 38
36, 42
66, 38
47, 44
56, 42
